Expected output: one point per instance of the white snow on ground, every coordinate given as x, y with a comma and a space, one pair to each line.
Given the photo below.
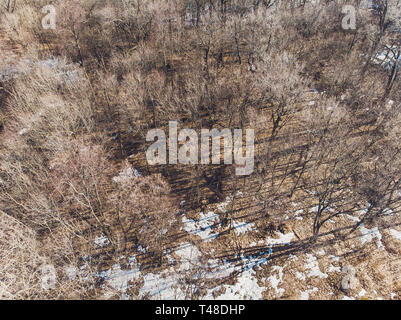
126, 175
170, 259
189, 255
387, 211
223, 206
305, 294
282, 239
354, 219
242, 227
136, 173
334, 258
22, 131
314, 209
119, 279
168, 284
164, 285
276, 279
246, 286
297, 213
396, 234
101, 241
221, 270
313, 266
362, 293
334, 269
141, 249
370, 234
202, 227
300, 276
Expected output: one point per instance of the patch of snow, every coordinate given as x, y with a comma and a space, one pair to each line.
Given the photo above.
313, 266
223, 206
246, 288
170, 259
141, 249
370, 234
242, 227
167, 285
119, 279
354, 219
221, 271
314, 209
298, 212
334, 258
202, 227
126, 175
162, 286
275, 280
300, 276
189, 255
362, 293
396, 234
334, 269
281, 240
101, 241
23, 131
305, 294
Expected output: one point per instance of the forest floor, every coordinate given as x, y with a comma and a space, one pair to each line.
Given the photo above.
256, 258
